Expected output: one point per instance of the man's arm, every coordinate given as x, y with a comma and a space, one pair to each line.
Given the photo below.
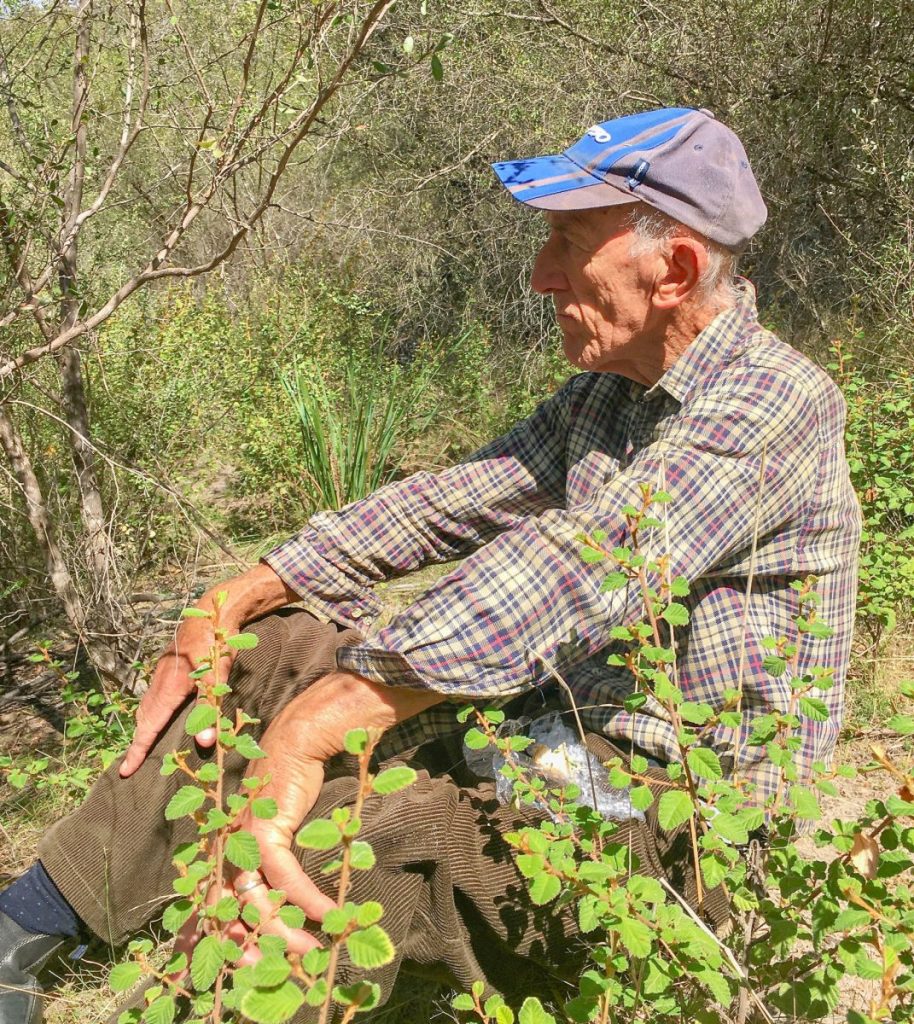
248, 596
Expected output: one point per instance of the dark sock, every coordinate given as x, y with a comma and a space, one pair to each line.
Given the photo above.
35, 903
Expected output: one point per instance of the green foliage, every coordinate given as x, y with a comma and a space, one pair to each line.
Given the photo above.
263, 992
815, 916
880, 451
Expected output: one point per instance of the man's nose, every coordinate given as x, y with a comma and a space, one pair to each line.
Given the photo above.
547, 276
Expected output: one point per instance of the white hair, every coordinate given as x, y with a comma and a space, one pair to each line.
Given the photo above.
654, 229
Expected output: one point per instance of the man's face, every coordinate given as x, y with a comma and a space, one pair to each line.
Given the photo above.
602, 294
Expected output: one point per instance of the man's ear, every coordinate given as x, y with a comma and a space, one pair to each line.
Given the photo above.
685, 260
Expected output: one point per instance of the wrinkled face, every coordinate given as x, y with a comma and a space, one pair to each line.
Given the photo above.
602, 294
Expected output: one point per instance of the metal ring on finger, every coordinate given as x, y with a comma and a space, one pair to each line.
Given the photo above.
253, 883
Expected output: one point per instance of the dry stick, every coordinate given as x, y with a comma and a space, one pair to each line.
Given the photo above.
574, 707
345, 871
744, 628
728, 953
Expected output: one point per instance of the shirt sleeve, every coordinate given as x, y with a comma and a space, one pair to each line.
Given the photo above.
526, 605
427, 518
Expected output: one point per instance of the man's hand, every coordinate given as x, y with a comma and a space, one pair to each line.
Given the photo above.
247, 597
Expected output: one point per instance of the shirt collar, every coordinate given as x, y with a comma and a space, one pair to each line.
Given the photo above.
713, 348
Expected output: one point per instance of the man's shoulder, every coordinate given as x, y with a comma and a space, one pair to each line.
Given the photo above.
767, 364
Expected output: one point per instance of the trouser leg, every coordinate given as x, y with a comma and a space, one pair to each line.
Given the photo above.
111, 858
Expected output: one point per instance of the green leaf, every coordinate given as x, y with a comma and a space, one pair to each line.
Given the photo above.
272, 1005
463, 1002
674, 808
208, 772
270, 971
176, 915
614, 581
226, 909
124, 976
393, 779
544, 888
641, 797
476, 739
437, 68
207, 961
635, 936
264, 807
902, 724
315, 961
704, 763
291, 917
242, 641
369, 913
696, 714
361, 856
774, 664
805, 804
187, 800
370, 947
364, 994
815, 708
355, 741
195, 613
676, 614
160, 1011
201, 717
242, 850
730, 828
247, 746
319, 834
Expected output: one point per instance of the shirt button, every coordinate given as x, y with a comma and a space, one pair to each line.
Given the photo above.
356, 613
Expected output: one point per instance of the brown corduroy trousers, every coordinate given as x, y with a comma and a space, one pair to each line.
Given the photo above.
453, 898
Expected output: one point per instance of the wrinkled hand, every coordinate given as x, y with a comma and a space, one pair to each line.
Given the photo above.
295, 782
170, 687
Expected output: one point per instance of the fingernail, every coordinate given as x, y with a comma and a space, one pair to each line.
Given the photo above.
206, 738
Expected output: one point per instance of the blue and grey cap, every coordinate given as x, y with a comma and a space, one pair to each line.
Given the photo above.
680, 161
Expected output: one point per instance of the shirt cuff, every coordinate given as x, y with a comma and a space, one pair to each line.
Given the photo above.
326, 589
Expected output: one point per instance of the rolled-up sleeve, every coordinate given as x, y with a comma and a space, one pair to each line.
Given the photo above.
740, 455
426, 518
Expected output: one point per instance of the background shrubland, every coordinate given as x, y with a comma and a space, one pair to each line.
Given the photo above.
387, 263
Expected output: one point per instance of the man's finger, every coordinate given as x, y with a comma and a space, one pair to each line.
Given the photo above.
282, 870
252, 890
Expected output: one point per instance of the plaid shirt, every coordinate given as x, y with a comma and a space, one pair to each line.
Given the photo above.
522, 605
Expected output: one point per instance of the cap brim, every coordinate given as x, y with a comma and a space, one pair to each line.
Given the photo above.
557, 183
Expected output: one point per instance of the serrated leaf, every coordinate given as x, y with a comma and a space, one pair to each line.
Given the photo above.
242, 850
272, 1005
242, 642
370, 947
694, 713
364, 994
160, 1011
391, 780
544, 888
674, 808
704, 763
291, 917
270, 971
124, 976
319, 834
463, 1002
195, 613
635, 936
247, 747
226, 909
206, 962
901, 724
814, 708
676, 614
187, 800
176, 915
361, 856
641, 797
476, 739
369, 913
264, 807
201, 717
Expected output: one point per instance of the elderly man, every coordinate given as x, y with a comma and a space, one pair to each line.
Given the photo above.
682, 388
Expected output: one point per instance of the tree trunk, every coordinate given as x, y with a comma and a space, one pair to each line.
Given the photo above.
102, 656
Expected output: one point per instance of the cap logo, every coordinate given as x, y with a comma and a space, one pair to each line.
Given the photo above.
599, 134
638, 174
